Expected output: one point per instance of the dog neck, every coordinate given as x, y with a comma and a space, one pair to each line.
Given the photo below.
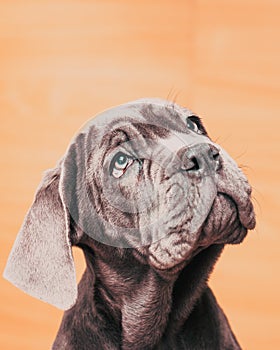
135, 300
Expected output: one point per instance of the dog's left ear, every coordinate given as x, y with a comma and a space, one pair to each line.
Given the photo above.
41, 261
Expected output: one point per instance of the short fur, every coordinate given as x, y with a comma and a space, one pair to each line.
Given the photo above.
150, 235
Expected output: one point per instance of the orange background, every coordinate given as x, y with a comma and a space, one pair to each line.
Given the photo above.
63, 61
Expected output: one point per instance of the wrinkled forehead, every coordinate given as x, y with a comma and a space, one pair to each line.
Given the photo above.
157, 112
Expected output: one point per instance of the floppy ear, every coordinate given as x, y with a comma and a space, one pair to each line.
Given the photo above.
41, 262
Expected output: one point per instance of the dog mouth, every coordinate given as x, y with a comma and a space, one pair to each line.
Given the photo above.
227, 222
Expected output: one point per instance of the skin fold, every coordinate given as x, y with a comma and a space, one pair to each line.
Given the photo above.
152, 201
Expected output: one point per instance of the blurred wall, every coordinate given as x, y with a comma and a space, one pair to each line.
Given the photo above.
63, 61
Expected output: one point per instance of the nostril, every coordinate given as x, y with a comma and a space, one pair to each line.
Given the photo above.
193, 164
216, 156
214, 153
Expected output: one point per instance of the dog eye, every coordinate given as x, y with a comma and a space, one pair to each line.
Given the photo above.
119, 164
193, 125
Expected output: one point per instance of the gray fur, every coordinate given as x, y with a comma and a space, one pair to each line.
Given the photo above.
151, 236
41, 262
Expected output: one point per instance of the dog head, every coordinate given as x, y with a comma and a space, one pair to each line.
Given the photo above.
143, 176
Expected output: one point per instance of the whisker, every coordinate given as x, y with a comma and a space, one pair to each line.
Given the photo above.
255, 200
221, 140
172, 95
241, 154
245, 168
176, 94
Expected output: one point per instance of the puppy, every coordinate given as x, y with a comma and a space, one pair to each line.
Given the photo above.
151, 200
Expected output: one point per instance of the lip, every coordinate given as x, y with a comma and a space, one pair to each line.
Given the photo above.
231, 182
246, 218
245, 210
228, 222
223, 224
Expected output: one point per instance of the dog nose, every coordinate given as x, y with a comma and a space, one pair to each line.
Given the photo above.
200, 159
